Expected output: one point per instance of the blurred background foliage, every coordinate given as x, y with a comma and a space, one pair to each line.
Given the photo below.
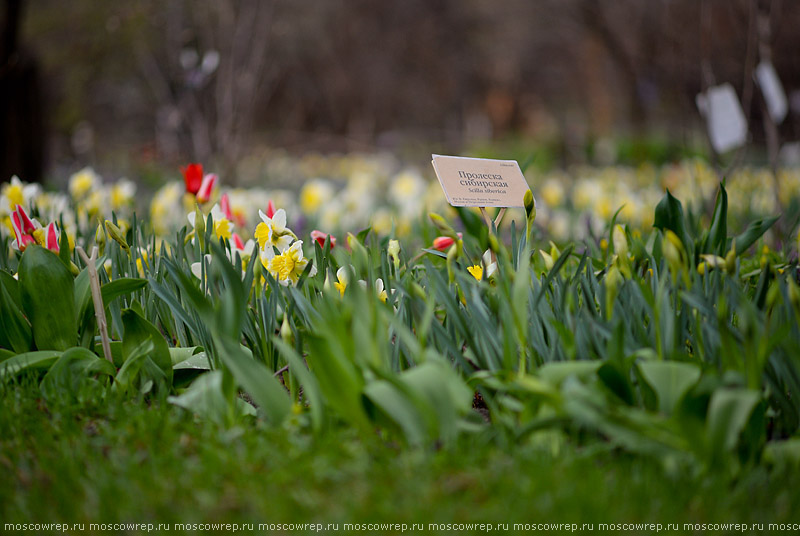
136, 86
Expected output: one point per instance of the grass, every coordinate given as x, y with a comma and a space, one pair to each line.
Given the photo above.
126, 461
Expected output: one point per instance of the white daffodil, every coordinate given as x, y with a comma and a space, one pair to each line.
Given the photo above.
197, 267
272, 232
223, 227
287, 267
16, 193
379, 288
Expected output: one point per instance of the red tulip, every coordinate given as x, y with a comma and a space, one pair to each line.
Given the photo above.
320, 237
442, 243
207, 187
270, 209
193, 177
225, 205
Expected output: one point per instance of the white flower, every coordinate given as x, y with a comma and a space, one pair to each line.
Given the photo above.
16, 193
287, 267
272, 232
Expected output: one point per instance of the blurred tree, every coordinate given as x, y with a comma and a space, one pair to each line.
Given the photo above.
21, 128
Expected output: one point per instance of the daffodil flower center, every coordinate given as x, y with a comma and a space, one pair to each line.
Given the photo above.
476, 271
223, 229
15, 197
284, 265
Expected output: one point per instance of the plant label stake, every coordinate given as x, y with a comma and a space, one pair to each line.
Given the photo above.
481, 182
97, 299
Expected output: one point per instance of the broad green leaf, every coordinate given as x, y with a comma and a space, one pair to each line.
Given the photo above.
556, 372
12, 286
137, 331
15, 332
617, 382
309, 382
180, 354
206, 398
135, 359
195, 362
256, 380
669, 215
71, 370
120, 287
48, 299
728, 413
783, 455
444, 391
753, 232
670, 380
339, 379
425, 402
717, 238
38, 360
400, 409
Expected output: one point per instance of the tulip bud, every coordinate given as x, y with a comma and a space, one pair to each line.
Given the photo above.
548, 259
199, 226
286, 331
530, 206
730, 259
442, 225
116, 234
100, 239
613, 281
620, 241
452, 255
393, 250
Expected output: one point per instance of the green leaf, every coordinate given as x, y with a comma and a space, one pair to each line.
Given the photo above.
717, 238
179, 355
38, 360
137, 331
135, 359
669, 215
48, 299
339, 380
120, 287
256, 380
753, 232
728, 413
15, 332
617, 382
71, 371
400, 410
670, 380
12, 286
63, 247
425, 402
309, 382
205, 397
556, 372
195, 362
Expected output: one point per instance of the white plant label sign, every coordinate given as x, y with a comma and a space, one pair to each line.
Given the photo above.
727, 126
480, 182
772, 89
